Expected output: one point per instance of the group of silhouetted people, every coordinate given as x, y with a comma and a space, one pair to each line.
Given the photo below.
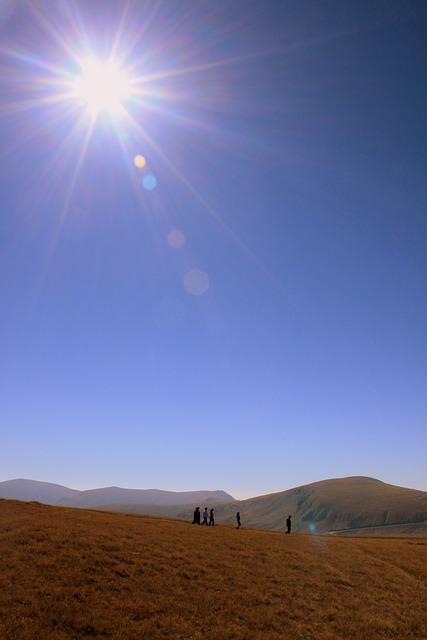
206, 515
210, 515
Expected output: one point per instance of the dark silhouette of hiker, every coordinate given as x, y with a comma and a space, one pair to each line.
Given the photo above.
211, 518
196, 516
238, 520
205, 517
288, 524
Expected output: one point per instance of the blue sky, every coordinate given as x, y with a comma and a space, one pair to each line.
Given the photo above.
257, 319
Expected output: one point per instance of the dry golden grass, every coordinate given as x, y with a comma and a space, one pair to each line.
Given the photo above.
69, 573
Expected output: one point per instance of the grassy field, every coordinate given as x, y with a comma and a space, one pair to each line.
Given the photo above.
71, 573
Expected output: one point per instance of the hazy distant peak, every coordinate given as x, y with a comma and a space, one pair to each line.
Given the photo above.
24, 489
49, 493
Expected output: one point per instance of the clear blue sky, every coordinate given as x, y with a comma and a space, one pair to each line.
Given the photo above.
257, 319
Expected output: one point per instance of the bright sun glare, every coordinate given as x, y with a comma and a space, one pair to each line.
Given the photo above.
102, 87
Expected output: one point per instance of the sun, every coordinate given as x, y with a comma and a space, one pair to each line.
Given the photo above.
102, 87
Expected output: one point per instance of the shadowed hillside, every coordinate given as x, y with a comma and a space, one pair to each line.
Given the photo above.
71, 573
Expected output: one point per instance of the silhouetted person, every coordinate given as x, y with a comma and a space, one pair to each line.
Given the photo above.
238, 520
205, 517
196, 516
288, 524
211, 518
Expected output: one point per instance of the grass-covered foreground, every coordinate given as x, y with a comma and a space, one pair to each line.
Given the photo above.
69, 573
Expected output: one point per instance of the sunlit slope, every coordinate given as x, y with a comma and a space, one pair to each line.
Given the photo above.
357, 504
336, 504
70, 573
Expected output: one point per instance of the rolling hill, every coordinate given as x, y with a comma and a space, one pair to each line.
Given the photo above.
336, 505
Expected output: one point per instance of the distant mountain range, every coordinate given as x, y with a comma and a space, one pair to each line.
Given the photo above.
56, 494
354, 505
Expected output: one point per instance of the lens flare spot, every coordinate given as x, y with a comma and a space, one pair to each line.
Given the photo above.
176, 238
139, 162
149, 182
312, 528
196, 282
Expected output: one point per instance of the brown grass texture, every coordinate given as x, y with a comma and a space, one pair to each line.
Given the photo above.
71, 573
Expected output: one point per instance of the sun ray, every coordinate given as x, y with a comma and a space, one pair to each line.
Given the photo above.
78, 167
115, 49
137, 36
31, 59
55, 161
197, 68
49, 28
67, 199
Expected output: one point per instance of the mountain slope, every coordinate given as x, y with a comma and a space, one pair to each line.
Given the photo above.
334, 505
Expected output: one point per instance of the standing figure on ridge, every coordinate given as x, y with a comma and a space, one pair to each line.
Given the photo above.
211, 518
196, 516
238, 520
288, 524
205, 517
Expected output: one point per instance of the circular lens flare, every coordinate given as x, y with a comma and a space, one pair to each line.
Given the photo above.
149, 182
139, 162
196, 282
176, 239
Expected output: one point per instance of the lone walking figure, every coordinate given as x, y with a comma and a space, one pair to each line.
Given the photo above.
288, 524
